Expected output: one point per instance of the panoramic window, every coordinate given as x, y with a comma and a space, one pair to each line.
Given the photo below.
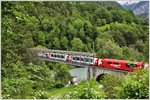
115, 63
108, 62
81, 59
131, 65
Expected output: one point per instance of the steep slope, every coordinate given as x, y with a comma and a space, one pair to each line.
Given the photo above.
140, 9
101, 27
128, 5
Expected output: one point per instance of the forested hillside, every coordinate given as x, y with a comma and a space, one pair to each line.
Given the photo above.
102, 27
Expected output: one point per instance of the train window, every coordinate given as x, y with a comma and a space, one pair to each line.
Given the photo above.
55, 55
73, 58
91, 60
134, 65
131, 65
81, 59
108, 62
86, 59
128, 65
62, 56
115, 63
52, 55
78, 58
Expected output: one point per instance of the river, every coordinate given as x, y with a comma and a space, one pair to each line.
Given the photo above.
80, 73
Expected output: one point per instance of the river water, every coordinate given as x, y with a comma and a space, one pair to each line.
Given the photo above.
80, 73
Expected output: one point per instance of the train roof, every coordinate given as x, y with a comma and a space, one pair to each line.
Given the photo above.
114, 60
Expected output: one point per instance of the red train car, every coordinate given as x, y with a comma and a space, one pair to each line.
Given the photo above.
119, 64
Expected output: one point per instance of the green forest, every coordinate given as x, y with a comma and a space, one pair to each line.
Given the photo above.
103, 27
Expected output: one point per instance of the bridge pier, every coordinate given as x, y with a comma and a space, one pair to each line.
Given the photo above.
91, 72
88, 73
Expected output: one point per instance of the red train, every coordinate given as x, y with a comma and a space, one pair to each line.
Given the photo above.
119, 64
101, 62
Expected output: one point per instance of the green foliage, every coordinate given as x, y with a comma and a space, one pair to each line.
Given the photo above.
71, 32
16, 83
42, 95
56, 43
146, 50
135, 85
64, 43
101, 27
108, 49
117, 16
109, 82
17, 88
41, 38
103, 13
77, 44
62, 75
88, 90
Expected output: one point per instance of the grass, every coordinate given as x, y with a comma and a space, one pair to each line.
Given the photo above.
59, 93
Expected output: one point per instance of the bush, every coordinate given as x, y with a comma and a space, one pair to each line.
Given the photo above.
88, 90
136, 85
110, 81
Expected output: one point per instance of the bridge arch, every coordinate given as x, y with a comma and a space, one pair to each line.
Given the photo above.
100, 76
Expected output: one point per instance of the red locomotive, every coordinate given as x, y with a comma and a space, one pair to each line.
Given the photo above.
119, 64
98, 62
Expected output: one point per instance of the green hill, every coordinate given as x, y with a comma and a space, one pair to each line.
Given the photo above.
101, 27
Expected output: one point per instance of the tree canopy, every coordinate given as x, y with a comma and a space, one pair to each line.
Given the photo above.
103, 27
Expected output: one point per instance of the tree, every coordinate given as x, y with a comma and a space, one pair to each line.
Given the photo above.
103, 13
130, 36
64, 43
146, 50
46, 24
77, 44
117, 16
109, 82
81, 34
78, 24
56, 43
13, 81
109, 50
101, 22
88, 28
139, 45
119, 38
128, 14
62, 75
41, 38
71, 32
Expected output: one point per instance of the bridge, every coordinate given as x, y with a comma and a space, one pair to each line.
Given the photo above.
93, 71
